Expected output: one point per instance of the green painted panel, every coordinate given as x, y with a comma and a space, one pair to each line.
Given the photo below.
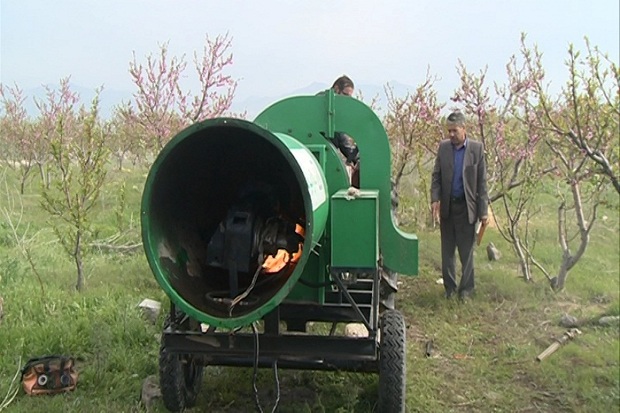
308, 118
355, 230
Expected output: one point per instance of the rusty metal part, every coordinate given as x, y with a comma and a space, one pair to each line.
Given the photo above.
568, 335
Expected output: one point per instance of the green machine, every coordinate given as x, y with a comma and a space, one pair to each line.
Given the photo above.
253, 231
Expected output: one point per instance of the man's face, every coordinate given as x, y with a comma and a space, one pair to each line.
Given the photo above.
457, 135
347, 91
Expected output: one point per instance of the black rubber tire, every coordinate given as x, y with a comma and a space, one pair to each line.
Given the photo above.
392, 362
180, 379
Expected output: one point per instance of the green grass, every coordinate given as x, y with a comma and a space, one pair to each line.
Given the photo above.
484, 351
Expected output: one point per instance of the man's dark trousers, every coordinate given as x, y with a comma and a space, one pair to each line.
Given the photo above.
457, 233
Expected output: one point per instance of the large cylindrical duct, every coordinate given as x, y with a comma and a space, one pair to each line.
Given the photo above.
220, 196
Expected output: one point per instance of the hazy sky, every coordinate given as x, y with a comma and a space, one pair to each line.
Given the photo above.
279, 46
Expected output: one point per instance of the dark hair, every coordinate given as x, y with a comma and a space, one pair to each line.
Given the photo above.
342, 82
456, 118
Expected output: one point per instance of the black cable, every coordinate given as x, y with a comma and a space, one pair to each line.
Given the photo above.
247, 292
244, 294
255, 375
332, 330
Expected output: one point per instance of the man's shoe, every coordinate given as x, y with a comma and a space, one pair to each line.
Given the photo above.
448, 294
466, 295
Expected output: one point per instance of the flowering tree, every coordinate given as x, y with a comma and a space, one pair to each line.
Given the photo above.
59, 106
507, 145
126, 138
581, 129
163, 108
157, 95
78, 166
588, 120
413, 124
16, 138
511, 145
217, 88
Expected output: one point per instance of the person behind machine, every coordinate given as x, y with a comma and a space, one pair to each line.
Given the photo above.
345, 143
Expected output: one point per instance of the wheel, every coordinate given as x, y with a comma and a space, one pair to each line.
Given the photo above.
180, 378
392, 362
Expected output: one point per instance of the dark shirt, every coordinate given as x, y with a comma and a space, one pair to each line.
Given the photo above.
347, 147
458, 191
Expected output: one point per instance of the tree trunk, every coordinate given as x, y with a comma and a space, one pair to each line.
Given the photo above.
562, 274
78, 262
569, 260
43, 175
523, 261
22, 184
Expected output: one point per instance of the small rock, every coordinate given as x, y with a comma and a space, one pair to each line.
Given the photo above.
151, 309
429, 348
150, 391
492, 396
352, 193
568, 321
355, 330
493, 254
609, 320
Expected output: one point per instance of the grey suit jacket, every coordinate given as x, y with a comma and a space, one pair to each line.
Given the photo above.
474, 179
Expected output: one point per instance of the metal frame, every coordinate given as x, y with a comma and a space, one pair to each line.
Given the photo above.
292, 349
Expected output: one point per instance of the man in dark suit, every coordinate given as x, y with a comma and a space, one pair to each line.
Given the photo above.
459, 200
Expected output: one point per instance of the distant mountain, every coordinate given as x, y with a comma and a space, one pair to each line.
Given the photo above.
253, 105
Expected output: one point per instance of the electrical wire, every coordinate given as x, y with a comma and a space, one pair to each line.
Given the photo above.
277, 380
255, 375
244, 294
13, 389
247, 291
268, 230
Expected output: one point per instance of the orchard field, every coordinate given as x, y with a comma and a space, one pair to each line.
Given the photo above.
72, 269
483, 354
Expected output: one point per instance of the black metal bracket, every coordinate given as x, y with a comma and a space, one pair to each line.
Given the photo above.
371, 322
